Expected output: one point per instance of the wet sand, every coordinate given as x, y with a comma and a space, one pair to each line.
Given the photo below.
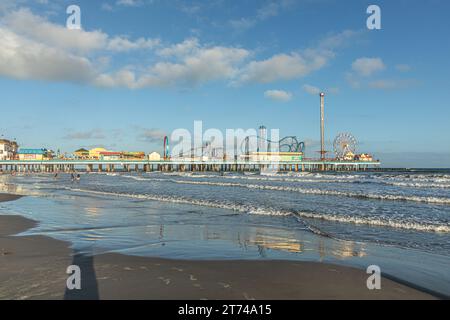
34, 267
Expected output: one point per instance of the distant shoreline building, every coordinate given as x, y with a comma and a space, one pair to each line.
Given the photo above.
34, 154
273, 156
81, 154
95, 153
364, 157
110, 155
133, 155
8, 149
154, 156
100, 153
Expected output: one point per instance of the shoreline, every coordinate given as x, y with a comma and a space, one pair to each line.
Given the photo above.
34, 267
9, 197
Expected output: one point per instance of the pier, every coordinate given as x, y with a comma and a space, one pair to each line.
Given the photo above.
54, 166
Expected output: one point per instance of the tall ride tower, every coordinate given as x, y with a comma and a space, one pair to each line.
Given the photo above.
322, 129
262, 139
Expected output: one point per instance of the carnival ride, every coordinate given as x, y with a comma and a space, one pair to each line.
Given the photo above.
166, 148
286, 144
248, 145
344, 144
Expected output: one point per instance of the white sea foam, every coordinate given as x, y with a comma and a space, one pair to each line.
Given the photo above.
198, 202
311, 191
419, 184
429, 178
424, 181
300, 177
250, 209
381, 222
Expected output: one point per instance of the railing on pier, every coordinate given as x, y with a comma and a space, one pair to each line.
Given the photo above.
185, 165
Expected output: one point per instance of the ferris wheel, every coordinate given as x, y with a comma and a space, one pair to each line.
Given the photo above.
343, 144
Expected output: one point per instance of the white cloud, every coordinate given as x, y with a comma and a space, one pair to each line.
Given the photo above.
129, 3
193, 66
333, 90
107, 7
152, 135
340, 39
84, 135
242, 23
278, 95
268, 10
21, 58
353, 80
26, 24
295, 64
181, 49
284, 66
124, 44
403, 67
311, 89
391, 84
367, 66
35, 48
190, 8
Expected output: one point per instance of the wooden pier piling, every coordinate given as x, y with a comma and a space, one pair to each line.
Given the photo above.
67, 166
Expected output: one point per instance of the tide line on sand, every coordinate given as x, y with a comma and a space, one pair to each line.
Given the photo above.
117, 276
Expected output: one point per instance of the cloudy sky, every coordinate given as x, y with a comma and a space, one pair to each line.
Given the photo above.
138, 69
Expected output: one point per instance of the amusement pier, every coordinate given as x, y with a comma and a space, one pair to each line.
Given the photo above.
287, 155
170, 165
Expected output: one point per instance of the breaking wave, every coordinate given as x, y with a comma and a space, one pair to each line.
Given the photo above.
249, 209
417, 182
379, 222
421, 181
311, 191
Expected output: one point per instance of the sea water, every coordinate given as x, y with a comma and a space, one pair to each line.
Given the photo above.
397, 220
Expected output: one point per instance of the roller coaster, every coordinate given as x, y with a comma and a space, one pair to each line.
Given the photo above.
286, 144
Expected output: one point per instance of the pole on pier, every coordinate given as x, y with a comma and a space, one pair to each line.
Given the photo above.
322, 126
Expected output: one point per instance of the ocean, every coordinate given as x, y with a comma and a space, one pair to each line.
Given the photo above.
399, 221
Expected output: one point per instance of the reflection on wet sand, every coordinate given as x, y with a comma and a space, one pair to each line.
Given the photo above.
278, 243
284, 240
265, 239
289, 242
349, 249
92, 211
10, 188
100, 223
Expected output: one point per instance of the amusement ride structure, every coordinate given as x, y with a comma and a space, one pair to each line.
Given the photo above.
208, 150
344, 144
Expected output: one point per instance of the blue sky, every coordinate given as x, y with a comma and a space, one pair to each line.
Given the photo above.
139, 69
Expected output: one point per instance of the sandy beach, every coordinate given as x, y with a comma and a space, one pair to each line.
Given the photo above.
34, 267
